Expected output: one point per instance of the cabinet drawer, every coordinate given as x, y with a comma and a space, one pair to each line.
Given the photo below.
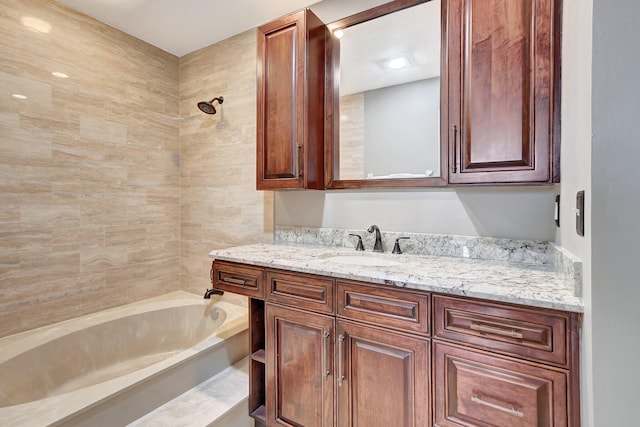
239, 279
477, 389
301, 290
399, 309
535, 334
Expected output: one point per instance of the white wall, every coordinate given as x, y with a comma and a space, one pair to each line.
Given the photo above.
576, 167
615, 224
402, 128
525, 213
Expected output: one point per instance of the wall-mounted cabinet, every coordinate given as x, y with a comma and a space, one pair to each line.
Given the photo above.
290, 116
412, 93
503, 95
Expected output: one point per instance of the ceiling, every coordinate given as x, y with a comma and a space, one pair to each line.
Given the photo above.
181, 27
367, 48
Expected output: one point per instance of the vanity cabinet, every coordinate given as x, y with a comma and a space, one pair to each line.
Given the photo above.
500, 365
290, 95
503, 91
312, 355
335, 352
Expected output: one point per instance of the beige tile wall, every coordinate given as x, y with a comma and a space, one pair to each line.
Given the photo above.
89, 167
220, 206
352, 136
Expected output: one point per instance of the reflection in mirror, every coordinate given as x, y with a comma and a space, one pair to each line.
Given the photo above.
389, 96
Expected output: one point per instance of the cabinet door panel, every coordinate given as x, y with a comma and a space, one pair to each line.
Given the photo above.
299, 368
475, 389
290, 113
502, 65
386, 378
280, 98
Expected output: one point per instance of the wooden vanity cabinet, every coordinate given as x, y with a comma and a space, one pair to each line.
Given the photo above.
382, 356
333, 352
290, 95
324, 370
503, 91
501, 365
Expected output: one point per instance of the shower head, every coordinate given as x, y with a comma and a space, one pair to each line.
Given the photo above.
207, 106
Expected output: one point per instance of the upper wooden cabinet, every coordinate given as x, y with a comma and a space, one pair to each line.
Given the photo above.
499, 98
503, 91
290, 116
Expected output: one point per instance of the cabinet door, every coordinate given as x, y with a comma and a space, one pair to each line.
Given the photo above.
383, 378
299, 368
474, 389
502, 89
290, 116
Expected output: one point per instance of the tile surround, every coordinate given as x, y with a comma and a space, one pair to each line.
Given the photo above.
114, 185
219, 204
89, 172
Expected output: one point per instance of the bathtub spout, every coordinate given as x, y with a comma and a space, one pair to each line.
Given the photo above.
209, 292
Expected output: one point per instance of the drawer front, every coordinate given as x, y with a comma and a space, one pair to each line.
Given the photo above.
477, 389
301, 290
399, 309
535, 334
238, 278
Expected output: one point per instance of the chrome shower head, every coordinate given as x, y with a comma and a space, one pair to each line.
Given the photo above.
207, 106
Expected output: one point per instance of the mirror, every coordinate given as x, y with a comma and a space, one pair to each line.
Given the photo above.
384, 98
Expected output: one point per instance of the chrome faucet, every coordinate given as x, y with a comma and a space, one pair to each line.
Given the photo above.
377, 246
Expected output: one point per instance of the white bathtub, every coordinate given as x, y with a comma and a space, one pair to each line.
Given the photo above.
111, 367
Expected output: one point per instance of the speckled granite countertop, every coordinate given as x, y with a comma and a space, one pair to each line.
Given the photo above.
532, 285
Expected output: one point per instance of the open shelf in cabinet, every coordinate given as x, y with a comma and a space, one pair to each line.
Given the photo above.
257, 373
259, 356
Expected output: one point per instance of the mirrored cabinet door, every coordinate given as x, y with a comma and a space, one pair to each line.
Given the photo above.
384, 98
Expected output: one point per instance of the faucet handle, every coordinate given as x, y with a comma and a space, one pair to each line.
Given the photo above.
359, 245
396, 246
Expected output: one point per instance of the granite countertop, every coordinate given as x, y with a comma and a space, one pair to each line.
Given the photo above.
519, 283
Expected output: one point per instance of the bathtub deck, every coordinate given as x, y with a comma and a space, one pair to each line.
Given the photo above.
210, 403
124, 399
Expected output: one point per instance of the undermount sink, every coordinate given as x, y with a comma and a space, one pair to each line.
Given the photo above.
367, 260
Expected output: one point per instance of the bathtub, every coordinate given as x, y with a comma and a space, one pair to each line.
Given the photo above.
111, 367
